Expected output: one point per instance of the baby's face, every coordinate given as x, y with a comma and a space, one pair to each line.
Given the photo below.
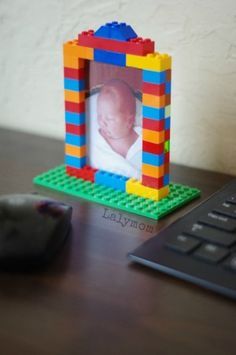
112, 121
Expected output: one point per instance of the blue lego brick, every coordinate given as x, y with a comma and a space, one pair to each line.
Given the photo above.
115, 30
75, 162
117, 182
167, 123
75, 140
74, 118
166, 180
167, 87
73, 84
152, 159
110, 57
154, 77
153, 113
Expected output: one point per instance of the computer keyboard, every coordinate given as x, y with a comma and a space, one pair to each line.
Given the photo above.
200, 247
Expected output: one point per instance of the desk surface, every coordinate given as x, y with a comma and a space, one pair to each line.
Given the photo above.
91, 300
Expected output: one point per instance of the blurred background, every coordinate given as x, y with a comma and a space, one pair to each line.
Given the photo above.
200, 36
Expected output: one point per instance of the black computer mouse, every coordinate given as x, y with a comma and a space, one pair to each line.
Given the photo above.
32, 229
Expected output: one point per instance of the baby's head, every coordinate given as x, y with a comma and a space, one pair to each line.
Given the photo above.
116, 109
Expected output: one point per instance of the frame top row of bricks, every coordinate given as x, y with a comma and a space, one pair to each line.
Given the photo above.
119, 37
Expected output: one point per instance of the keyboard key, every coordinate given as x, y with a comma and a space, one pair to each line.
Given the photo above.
182, 243
211, 253
232, 199
219, 221
230, 263
211, 235
227, 209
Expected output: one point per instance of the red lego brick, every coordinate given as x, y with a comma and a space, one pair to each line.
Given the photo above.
75, 107
153, 148
138, 45
167, 158
168, 75
156, 183
166, 168
74, 129
154, 125
86, 173
167, 99
167, 134
153, 89
74, 73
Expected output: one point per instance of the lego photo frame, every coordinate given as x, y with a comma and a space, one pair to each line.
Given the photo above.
152, 195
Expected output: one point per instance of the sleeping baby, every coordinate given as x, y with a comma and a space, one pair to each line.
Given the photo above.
118, 146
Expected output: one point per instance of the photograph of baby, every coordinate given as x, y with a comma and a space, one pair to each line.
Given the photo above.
113, 116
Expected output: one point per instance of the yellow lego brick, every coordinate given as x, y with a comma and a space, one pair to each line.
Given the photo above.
135, 187
153, 100
75, 151
74, 96
73, 62
167, 111
153, 171
152, 61
153, 136
72, 49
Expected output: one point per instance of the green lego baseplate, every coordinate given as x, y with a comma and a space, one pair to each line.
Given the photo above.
57, 179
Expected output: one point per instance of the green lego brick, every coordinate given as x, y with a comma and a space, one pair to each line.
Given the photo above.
167, 146
57, 179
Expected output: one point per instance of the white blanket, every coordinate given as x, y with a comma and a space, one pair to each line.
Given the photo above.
100, 154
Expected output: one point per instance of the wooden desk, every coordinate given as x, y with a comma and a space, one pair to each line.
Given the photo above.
91, 300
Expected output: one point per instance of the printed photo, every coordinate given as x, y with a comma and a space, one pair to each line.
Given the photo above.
113, 118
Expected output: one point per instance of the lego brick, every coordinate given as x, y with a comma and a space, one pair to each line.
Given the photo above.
167, 135
75, 107
153, 125
153, 100
135, 187
109, 57
154, 61
154, 77
73, 62
74, 96
166, 157
167, 123
72, 49
166, 179
58, 179
153, 89
75, 139
168, 88
74, 118
115, 30
168, 75
167, 111
76, 129
153, 171
153, 148
167, 146
74, 161
167, 100
153, 182
137, 45
166, 168
86, 173
153, 136
152, 159
75, 150
153, 112
72, 73
73, 84
117, 182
